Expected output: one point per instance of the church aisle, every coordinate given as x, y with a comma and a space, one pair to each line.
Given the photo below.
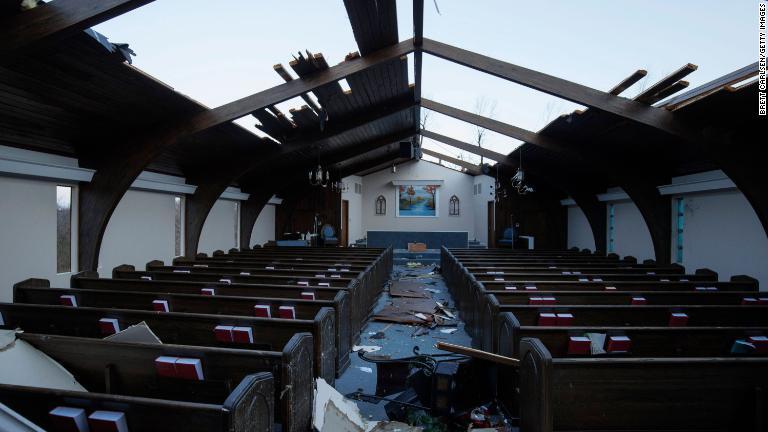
398, 340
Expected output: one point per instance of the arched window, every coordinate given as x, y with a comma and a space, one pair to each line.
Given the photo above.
453, 206
381, 205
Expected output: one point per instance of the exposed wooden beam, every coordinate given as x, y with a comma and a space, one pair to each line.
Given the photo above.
665, 82
471, 148
418, 39
505, 129
287, 77
628, 82
629, 109
58, 19
371, 165
474, 169
669, 91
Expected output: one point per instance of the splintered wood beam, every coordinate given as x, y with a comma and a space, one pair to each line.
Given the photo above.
632, 110
471, 148
665, 82
628, 82
669, 91
283, 92
54, 20
285, 75
464, 164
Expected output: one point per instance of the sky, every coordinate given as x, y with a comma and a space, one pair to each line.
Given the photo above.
216, 52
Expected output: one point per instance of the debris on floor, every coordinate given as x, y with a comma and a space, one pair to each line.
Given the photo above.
407, 289
365, 348
414, 314
333, 412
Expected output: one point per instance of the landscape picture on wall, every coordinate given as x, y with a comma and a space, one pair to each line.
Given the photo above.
417, 201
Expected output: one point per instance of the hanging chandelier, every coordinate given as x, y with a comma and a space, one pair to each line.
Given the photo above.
518, 180
319, 176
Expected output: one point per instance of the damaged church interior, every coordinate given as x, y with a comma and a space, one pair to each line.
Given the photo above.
382, 215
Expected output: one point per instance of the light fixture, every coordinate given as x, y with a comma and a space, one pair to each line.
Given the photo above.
319, 176
394, 168
518, 180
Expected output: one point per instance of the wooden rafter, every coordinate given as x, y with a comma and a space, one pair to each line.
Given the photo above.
464, 164
629, 109
418, 39
628, 82
57, 19
471, 148
647, 95
505, 129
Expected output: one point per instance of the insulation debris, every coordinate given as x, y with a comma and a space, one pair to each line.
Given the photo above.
365, 348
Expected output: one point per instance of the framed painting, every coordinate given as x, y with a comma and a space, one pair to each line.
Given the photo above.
417, 200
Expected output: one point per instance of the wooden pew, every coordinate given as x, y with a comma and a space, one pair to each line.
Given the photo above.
362, 291
181, 328
625, 297
264, 263
647, 341
239, 412
129, 272
609, 276
378, 263
471, 293
649, 394
38, 291
127, 369
622, 315
91, 280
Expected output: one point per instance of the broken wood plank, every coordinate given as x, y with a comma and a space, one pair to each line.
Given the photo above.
665, 82
628, 82
478, 354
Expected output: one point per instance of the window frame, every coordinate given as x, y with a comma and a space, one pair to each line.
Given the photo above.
454, 206
380, 207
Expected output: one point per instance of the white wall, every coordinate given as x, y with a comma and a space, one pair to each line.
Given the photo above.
455, 183
28, 233
355, 207
264, 228
480, 204
141, 229
721, 231
579, 231
631, 235
219, 230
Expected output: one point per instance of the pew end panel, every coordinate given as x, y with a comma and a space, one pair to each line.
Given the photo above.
118, 271
251, 404
154, 264
707, 272
83, 274
325, 346
535, 397
296, 399
29, 283
748, 281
